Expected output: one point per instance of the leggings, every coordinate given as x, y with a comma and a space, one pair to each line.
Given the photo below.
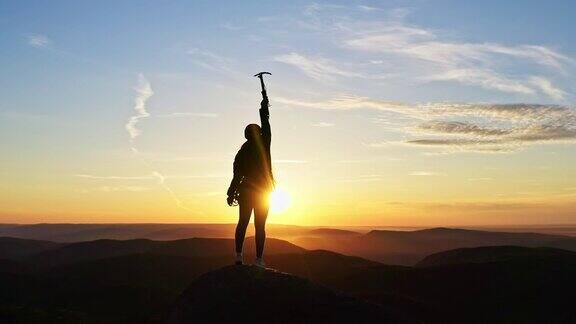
258, 201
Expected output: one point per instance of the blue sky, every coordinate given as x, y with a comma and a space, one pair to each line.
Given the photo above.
389, 99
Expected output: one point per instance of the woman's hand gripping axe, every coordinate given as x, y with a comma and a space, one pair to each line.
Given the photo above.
261, 77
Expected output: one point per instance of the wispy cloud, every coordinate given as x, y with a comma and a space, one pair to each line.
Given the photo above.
39, 41
428, 45
457, 127
143, 93
211, 61
347, 102
162, 182
189, 115
482, 64
122, 188
198, 176
187, 158
368, 8
426, 173
547, 87
230, 26
464, 126
152, 176
322, 124
114, 189
389, 47
511, 127
97, 177
364, 178
488, 79
315, 8
316, 67
381, 144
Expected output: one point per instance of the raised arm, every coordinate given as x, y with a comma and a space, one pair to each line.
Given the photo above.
266, 135
265, 121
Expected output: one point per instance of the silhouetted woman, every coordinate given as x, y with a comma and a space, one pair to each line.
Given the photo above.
252, 183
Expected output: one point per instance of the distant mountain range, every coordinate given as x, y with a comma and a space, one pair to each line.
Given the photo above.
90, 232
140, 280
408, 247
391, 247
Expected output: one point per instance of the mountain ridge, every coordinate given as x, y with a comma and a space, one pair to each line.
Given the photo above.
491, 254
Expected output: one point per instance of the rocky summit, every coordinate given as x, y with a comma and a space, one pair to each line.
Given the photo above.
247, 293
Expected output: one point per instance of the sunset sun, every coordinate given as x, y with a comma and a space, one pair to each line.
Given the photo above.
280, 200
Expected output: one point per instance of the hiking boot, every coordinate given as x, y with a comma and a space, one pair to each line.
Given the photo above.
260, 263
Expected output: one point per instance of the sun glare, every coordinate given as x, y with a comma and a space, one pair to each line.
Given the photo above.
280, 200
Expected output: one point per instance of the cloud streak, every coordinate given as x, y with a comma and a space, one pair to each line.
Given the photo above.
322, 124
189, 115
481, 64
464, 126
514, 127
426, 174
162, 182
456, 127
143, 93
348, 102
122, 188
392, 48
95, 177
316, 67
39, 41
211, 61
152, 176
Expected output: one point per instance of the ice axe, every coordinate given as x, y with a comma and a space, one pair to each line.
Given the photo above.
261, 77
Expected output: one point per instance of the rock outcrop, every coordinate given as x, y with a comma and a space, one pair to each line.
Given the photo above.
243, 294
